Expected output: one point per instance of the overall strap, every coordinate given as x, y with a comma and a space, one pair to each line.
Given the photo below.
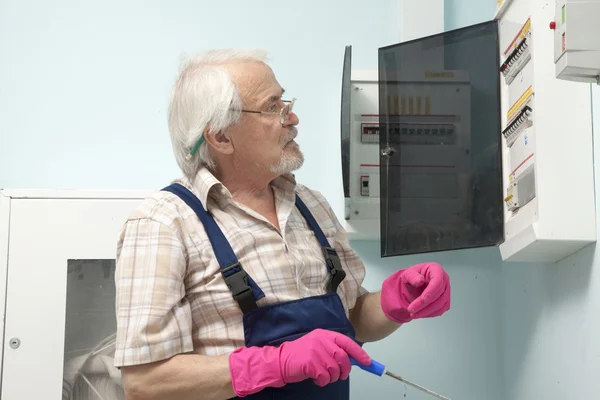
332, 259
244, 290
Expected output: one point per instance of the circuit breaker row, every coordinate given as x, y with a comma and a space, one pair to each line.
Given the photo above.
411, 133
520, 118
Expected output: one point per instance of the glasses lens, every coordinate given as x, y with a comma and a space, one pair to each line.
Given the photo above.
286, 110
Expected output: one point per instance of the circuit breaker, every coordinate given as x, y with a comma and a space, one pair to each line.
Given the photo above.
521, 188
519, 131
369, 133
364, 185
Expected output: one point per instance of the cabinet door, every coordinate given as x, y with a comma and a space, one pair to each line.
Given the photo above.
60, 308
440, 142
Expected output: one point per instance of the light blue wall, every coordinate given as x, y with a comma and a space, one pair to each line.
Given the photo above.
83, 90
83, 94
551, 323
84, 85
458, 354
549, 313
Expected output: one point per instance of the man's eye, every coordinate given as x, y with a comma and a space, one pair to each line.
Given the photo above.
273, 108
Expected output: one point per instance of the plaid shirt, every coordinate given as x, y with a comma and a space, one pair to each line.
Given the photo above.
171, 297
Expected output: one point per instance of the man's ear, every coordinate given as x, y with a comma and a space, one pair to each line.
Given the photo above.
219, 141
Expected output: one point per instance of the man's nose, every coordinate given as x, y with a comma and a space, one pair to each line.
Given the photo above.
291, 120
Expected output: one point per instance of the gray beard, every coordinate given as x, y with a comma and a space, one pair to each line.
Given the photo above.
291, 161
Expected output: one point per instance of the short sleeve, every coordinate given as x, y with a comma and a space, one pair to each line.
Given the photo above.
154, 319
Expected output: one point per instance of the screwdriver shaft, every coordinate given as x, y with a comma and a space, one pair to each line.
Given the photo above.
401, 379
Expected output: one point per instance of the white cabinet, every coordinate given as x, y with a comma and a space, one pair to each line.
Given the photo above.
57, 252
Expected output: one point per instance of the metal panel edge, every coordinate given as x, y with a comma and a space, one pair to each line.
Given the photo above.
75, 194
4, 249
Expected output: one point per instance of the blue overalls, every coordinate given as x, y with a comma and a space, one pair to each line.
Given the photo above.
274, 324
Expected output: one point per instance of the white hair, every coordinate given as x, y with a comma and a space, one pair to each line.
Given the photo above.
203, 96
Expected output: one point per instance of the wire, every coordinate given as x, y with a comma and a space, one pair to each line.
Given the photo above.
80, 387
91, 386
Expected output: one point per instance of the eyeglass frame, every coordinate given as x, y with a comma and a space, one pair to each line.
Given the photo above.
282, 118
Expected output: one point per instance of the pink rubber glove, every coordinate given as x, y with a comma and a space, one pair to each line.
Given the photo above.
320, 355
420, 291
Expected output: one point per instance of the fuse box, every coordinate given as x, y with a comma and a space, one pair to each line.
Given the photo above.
547, 128
577, 40
468, 139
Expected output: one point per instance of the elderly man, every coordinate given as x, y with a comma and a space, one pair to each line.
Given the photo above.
235, 280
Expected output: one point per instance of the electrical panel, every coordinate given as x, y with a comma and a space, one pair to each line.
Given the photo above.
468, 138
546, 132
415, 175
577, 40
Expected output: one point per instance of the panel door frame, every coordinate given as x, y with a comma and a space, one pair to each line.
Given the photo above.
37, 266
4, 233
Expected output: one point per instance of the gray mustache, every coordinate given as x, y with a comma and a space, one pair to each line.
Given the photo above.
293, 133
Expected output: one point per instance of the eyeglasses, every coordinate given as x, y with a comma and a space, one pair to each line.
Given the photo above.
283, 113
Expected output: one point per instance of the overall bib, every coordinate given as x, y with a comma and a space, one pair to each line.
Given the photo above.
274, 324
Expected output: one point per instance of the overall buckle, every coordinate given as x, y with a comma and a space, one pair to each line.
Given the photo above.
334, 265
237, 282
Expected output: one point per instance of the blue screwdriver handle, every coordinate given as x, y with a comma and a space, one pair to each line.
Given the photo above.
375, 367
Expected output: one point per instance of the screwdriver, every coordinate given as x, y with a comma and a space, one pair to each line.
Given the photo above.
379, 369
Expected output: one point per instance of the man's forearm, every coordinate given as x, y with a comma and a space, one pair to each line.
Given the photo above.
183, 377
368, 319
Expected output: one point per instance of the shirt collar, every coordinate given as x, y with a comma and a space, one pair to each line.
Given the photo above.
206, 184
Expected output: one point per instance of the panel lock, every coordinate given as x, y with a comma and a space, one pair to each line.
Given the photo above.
14, 343
387, 151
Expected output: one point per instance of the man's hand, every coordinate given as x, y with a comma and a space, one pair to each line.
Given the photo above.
420, 291
320, 355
